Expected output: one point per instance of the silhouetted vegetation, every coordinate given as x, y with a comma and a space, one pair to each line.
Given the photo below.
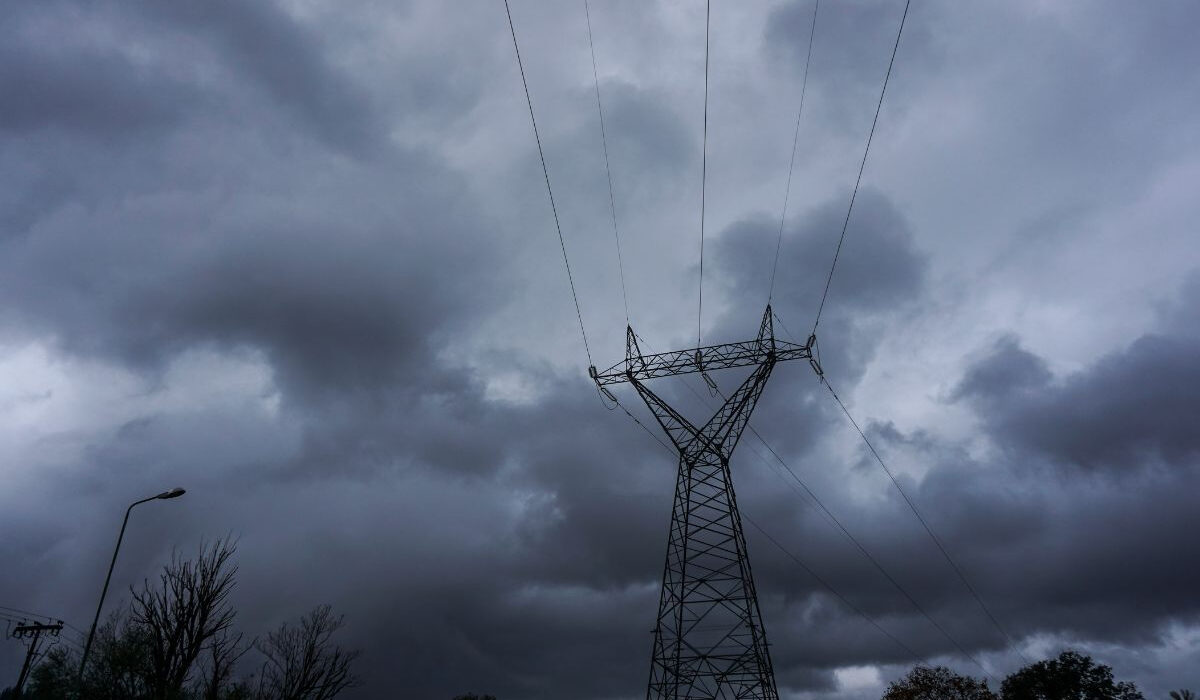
937, 683
473, 696
302, 661
176, 641
1070, 676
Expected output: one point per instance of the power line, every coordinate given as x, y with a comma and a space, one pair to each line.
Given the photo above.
796, 559
612, 203
703, 168
546, 172
19, 611
795, 140
871, 558
845, 532
912, 654
18, 615
924, 523
945, 553
861, 167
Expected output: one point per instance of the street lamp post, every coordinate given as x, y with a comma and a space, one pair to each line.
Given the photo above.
173, 493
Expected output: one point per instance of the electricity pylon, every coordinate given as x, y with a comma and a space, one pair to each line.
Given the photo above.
35, 631
709, 640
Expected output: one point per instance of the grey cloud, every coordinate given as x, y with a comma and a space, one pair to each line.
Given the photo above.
1006, 370
515, 547
646, 136
100, 93
285, 59
880, 268
850, 53
1131, 406
881, 273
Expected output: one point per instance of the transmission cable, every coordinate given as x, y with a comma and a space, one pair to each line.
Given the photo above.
19, 611
787, 191
924, 523
861, 167
546, 172
912, 506
612, 202
796, 559
842, 528
912, 654
703, 167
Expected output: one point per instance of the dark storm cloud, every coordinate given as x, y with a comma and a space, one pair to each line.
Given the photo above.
334, 299
881, 274
261, 42
1089, 556
646, 134
1065, 556
1005, 370
854, 38
515, 546
97, 91
850, 53
879, 270
1130, 408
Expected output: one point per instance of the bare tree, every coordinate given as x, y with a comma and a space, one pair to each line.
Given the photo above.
222, 653
184, 614
302, 662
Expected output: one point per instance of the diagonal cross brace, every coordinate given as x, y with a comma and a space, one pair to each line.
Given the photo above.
721, 433
709, 640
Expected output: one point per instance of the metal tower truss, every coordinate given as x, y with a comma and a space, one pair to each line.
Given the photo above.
709, 640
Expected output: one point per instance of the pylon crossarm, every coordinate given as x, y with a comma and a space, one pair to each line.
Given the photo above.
712, 357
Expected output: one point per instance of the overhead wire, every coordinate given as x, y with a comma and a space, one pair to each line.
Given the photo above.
924, 523
912, 506
612, 201
546, 172
828, 586
862, 166
617, 240
583, 332
791, 555
19, 611
837, 523
16, 616
787, 191
703, 168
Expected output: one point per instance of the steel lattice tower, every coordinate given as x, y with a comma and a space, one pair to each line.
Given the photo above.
709, 640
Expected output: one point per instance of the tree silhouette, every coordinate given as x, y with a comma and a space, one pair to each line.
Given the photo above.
1071, 676
183, 614
175, 641
302, 662
937, 683
1182, 695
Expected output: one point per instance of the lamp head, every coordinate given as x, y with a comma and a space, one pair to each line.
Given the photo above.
173, 493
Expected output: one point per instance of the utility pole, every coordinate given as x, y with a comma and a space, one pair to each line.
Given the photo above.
709, 640
35, 631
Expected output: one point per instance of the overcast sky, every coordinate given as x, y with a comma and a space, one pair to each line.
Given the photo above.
298, 258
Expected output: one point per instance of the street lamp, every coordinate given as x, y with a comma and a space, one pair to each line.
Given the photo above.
173, 493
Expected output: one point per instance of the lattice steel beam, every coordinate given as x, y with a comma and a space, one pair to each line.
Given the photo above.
708, 640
